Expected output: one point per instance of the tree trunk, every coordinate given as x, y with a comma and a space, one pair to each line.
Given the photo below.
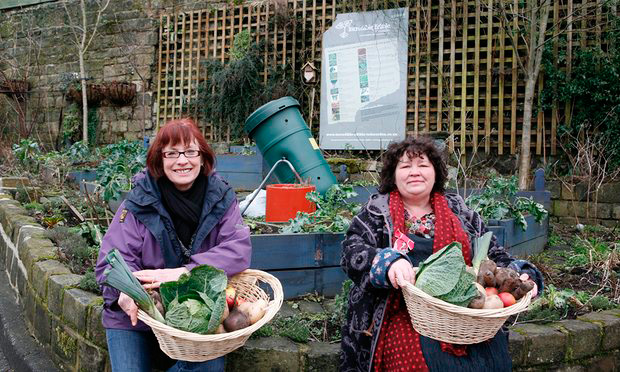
84, 99
526, 134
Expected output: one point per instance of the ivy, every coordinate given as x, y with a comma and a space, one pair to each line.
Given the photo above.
591, 91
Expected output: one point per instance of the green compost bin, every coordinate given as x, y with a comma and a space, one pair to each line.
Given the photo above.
280, 131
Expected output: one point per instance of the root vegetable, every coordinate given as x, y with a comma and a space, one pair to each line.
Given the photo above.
493, 302
525, 287
503, 273
488, 265
220, 329
236, 320
253, 310
478, 301
486, 278
510, 284
491, 291
225, 314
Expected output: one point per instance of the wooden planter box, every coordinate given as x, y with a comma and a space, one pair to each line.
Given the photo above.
304, 263
518, 242
243, 172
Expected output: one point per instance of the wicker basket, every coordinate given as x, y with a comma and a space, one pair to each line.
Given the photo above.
194, 347
443, 321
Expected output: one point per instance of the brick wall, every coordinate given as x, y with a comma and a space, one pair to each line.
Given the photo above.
571, 205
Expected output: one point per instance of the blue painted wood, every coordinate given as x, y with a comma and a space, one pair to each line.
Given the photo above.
82, 175
498, 231
325, 281
529, 247
539, 180
283, 251
514, 235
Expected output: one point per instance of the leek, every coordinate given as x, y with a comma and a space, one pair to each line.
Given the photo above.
119, 276
481, 249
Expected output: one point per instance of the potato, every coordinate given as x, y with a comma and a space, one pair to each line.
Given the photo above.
488, 265
486, 278
236, 320
503, 273
524, 287
510, 284
493, 302
253, 310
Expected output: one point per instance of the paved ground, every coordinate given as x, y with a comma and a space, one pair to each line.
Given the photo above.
19, 351
4, 364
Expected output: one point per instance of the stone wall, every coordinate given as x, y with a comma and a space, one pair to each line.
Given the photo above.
67, 320
572, 205
36, 44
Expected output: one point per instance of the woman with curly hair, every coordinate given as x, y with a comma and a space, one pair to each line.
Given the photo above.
411, 217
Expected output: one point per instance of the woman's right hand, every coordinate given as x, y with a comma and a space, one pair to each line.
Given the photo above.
401, 270
129, 306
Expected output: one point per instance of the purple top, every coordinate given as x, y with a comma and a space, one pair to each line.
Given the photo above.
226, 247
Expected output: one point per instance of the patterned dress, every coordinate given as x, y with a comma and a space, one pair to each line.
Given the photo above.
369, 235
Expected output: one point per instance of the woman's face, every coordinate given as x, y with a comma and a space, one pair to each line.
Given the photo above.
415, 176
182, 170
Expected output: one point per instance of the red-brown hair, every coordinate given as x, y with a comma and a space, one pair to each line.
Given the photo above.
173, 133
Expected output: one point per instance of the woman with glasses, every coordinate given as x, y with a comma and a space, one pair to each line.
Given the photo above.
178, 215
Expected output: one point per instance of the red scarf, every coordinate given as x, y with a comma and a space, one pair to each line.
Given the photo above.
398, 347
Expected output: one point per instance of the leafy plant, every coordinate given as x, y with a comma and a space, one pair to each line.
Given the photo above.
333, 211
591, 89
443, 275
27, 153
196, 301
121, 161
498, 200
89, 283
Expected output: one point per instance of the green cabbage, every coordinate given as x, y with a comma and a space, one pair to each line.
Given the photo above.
443, 275
196, 301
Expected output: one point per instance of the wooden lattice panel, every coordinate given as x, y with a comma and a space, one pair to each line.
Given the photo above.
463, 77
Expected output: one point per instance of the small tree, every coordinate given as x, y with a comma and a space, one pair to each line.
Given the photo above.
525, 23
83, 37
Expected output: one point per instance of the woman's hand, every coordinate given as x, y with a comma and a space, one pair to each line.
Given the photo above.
401, 270
129, 307
153, 278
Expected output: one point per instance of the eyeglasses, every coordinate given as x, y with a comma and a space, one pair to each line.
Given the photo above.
176, 154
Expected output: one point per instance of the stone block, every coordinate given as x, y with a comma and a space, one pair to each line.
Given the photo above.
21, 281
41, 271
14, 182
29, 306
19, 223
546, 344
35, 250
615, 213
31, 232
561, 208
609, 322
517, 347
609, 192
311, 307
610, 223
90, 357
567, 220
42, 323
56, 286
323, 357
583, 338
64, 344
265, 354
8, 209
75, 307
94, 328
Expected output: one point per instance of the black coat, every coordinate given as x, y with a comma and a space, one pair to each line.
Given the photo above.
369, 233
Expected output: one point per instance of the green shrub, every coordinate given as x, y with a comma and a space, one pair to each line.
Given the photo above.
89, 282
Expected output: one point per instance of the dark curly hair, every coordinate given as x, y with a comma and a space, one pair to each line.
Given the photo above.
413, 147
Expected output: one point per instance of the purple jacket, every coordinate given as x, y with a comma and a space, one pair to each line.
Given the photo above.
141, 231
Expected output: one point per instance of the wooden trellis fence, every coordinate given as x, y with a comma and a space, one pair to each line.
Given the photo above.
463, 77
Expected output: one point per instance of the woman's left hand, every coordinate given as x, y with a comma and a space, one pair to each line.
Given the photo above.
153, 278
